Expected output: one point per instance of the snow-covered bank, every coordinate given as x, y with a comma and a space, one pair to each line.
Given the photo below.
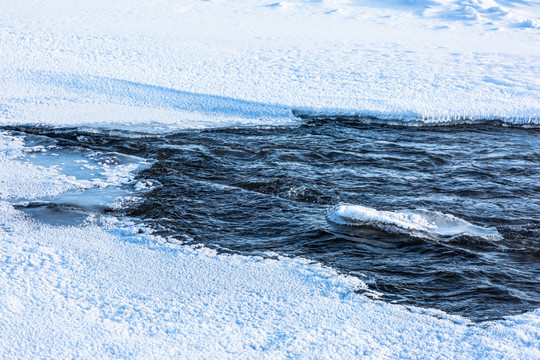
109, 291
217, 63
106, 288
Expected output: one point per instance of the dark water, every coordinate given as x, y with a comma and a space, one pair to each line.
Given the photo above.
249, 190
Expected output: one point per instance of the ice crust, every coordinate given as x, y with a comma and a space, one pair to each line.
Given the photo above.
46, 173
420, 223
22, 180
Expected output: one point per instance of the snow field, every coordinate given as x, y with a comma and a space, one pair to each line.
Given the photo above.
108, 290
198, 64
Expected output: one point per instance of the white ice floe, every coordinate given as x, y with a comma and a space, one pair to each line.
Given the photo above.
419, 223
166, 65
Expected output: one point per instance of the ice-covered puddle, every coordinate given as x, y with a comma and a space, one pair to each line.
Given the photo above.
421, 223
62, 184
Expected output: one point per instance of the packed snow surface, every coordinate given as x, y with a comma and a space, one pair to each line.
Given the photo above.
420, 223
160, 66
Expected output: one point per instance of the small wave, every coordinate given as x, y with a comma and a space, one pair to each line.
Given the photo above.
419, 223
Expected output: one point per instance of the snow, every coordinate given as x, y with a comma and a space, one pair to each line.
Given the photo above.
193, 64
106, 289
420, 223
103, 287
24, 180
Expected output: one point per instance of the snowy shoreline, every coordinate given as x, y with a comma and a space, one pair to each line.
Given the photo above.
109, 289
189, 66
112, 292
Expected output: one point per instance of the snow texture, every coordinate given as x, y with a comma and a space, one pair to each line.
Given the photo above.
108, 289
43, 172
160, 66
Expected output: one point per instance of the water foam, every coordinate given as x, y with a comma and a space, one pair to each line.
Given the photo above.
419, 223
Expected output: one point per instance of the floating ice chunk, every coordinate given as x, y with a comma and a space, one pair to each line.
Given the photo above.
419, 223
